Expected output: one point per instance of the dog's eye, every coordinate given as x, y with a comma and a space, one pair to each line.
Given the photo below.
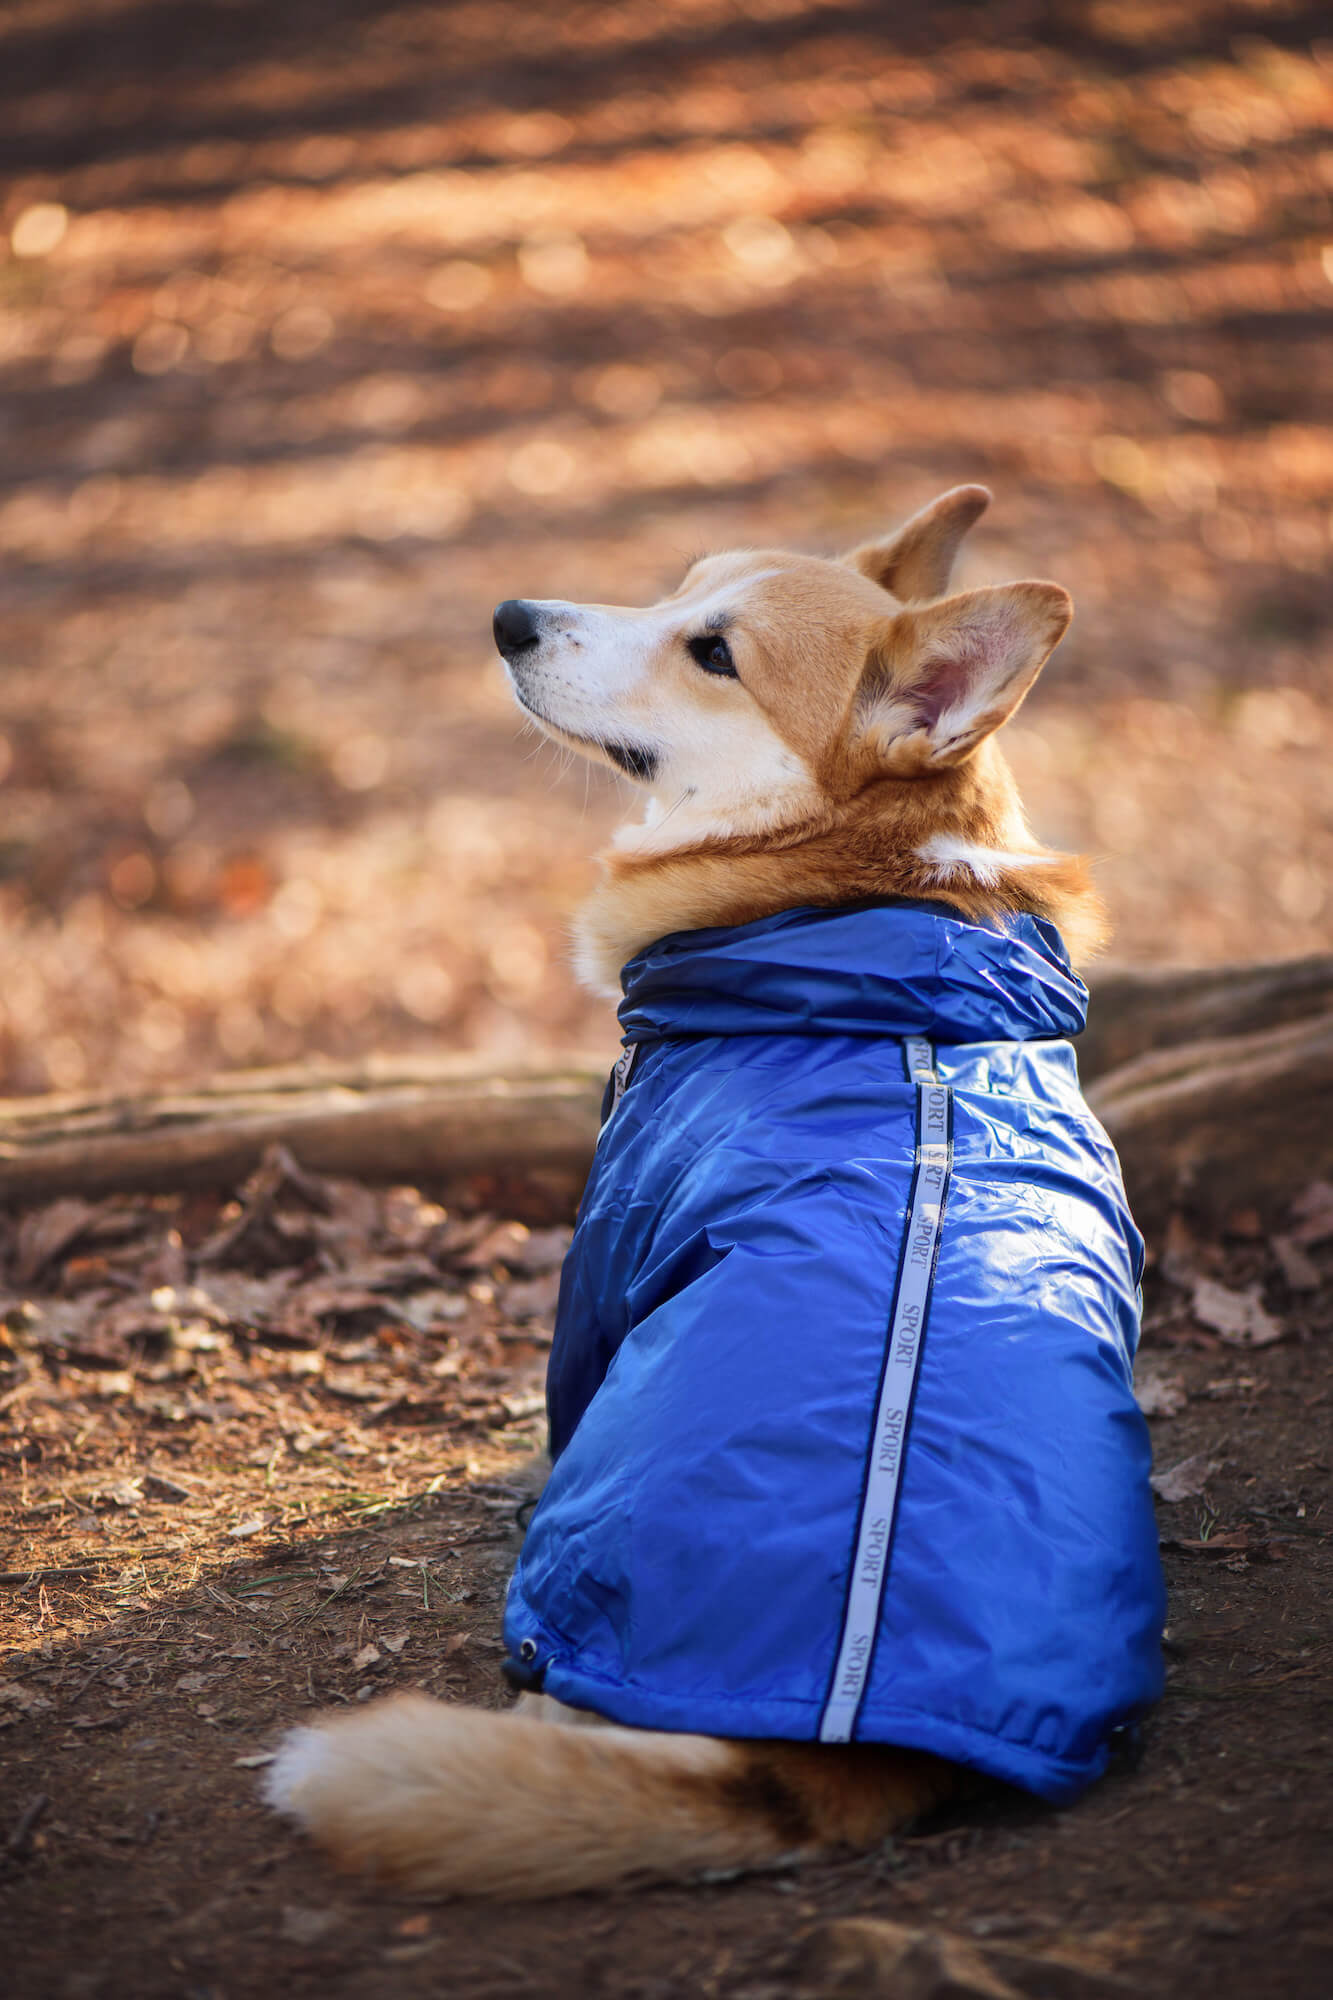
713, 654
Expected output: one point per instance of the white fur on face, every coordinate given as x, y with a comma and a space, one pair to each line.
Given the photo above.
620, 682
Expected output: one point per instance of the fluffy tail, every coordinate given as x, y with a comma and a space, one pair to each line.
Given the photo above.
464, 1801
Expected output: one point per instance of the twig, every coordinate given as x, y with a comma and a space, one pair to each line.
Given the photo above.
72, 1572
20, 1840
84, 1685
303, 1618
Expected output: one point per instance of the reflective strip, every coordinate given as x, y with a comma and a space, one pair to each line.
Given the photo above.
893, 1413
616, 1082
920, 1059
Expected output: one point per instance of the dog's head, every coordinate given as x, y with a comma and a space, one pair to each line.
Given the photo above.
770, 686
806, 731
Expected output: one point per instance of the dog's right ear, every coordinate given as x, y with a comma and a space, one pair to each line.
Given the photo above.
917, 562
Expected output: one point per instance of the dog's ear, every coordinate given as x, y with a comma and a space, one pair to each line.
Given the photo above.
940, 678
916, 563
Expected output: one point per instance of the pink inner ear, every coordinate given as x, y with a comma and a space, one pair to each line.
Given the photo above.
949, 679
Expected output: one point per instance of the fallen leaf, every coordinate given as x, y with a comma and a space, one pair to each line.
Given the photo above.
516, 1408
352, 1387
160, 1488
73, 1329
1177, 1260
88, 1273
533, 1298
196, 1336
407, 1954
1235, 1541
1233, 1385
1313, 1211
1159, 1395
544, 1250
254, 1524
301, 1361
1239, 1317
236, 1298
13, 1694
44, 1232
309, 1441
869, 1955
503, 1243
255, 1762
280, 1172
307, 1926
369, 1656
393, 1642
1185, 1479
424, 1311
194, 1683
117, 1383
1299, 1271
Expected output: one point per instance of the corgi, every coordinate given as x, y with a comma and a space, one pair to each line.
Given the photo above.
814, 743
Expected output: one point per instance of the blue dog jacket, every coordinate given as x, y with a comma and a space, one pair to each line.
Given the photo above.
840, 1396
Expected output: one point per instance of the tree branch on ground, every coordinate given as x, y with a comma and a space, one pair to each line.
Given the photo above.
1216, 1085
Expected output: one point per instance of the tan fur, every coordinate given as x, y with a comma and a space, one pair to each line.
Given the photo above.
851, 756
459, 1801
866, 849
916, 562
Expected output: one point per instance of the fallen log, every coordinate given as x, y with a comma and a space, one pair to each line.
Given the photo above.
1135, 1011
1238, 1121
429, 1124
1216, 1085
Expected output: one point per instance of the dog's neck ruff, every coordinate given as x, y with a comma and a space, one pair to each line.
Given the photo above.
875, 969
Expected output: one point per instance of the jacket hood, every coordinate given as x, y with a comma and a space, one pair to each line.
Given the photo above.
884, 968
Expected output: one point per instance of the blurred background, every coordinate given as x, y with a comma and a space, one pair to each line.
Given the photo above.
325, 324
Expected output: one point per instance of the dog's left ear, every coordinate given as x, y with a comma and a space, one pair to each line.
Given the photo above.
940, 678
917, 562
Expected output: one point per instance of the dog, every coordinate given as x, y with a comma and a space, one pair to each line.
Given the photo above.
849, 1509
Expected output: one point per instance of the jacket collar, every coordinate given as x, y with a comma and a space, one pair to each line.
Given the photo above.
883, 968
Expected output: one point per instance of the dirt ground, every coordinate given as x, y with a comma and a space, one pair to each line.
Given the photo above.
323, 326
270, 1456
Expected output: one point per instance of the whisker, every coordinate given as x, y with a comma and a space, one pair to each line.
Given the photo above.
667, 814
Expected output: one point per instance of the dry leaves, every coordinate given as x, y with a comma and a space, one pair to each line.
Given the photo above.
1158, 1395
1313, 1212
1299, 1271
372, 1298
1187, 1478
44, 1232
1239, 1317
19, 1700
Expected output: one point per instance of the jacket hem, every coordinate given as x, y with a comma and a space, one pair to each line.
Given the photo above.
1058, 1780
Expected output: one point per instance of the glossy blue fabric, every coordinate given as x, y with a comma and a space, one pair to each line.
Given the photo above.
721, 1327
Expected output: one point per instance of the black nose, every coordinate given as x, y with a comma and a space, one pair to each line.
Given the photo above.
515, 626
